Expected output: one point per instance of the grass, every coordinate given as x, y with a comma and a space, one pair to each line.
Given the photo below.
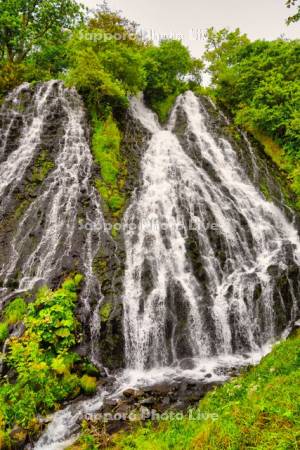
106, 151
283, 161
256, 410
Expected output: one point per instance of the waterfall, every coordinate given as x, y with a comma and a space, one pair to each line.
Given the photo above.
202, 246
212, 267
48, 237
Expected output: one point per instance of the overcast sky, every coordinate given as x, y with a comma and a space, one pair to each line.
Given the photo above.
260, 19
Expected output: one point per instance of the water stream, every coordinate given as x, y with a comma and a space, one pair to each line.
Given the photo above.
206, 253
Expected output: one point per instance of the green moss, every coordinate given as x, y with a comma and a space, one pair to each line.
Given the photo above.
21, 209
105, 311
39, 171
258, 409
232, 130
15, 311
106, 151
116, 202
100, 265
42, 167
265, 190
3, 332
4, 440
88, 384
115, 232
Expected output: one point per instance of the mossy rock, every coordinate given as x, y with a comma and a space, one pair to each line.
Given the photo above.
105, 311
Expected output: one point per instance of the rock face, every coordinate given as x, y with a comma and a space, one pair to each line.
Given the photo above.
110, 268
265, 175
217, 270
51, 218
51, 224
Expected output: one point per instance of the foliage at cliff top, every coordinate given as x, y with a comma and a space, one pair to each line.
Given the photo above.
259, 84
41, 369
256, 410
102, 54
33, 34
296, 16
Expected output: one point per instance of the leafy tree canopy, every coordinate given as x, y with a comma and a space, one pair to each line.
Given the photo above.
259, 83
295, 17
27, 24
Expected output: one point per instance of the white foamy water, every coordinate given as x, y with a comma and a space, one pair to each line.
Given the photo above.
48, 231
198, 300
166, 307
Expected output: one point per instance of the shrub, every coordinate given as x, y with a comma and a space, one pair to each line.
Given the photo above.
41, 359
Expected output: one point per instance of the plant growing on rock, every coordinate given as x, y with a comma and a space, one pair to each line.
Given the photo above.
41, 363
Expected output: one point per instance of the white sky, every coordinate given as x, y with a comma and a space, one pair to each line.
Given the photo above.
260, 19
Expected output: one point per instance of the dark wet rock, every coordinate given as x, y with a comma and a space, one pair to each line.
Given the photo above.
133, 393
187, 364
122, 408
159, 389
147, 401
109, 405
109, 264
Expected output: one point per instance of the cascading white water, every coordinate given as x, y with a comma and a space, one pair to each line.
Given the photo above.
49, 229
169, 312
209, 308
13, 168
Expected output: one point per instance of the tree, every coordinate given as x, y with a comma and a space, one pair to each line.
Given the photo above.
27, 25
166, 68
296, 16
105, 59
115, 26
258, 82
221, 49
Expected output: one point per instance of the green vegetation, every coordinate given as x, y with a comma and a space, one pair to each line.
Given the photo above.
258, 83
42, 167
15, 311
105, 311
4, 332
88, 384
42, 369
32, 40
295, 17
166, 68
106, 150
258, 409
